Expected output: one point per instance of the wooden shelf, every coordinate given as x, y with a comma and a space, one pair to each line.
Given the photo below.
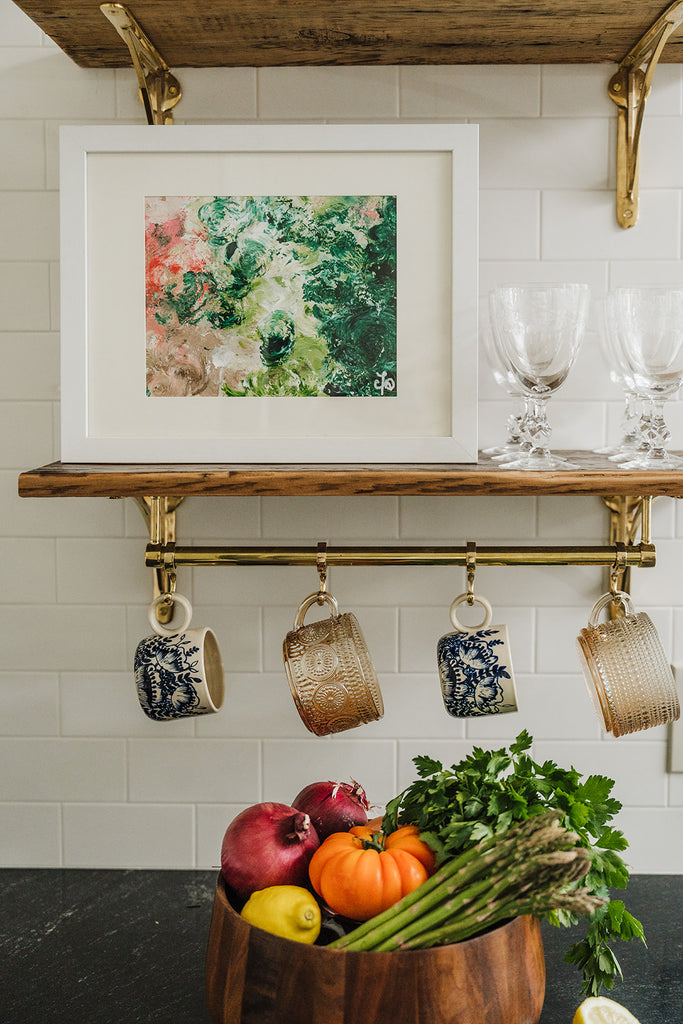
596, 476
259, 33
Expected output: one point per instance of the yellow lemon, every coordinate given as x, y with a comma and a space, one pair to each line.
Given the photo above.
600, 1010
286, 910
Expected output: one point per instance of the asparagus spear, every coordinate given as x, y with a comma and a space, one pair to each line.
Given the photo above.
486, 884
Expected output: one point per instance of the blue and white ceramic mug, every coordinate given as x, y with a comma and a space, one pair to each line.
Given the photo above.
178, 671
475, 666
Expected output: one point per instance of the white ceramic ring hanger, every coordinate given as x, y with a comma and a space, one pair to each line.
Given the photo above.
169, 630
470, 599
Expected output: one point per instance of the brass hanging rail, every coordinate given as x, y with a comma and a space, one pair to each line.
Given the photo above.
170, 556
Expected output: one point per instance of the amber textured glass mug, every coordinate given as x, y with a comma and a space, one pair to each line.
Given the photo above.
330, 671
627, 672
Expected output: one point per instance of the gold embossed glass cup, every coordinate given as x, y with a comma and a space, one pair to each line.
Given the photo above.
627, 672
330, 672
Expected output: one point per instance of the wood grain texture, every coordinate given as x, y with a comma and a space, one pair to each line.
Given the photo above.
496, 978
258, 33
597, 475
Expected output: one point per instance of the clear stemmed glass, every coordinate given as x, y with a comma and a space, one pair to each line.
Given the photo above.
648, 330
634, 417
539, 329
516, 442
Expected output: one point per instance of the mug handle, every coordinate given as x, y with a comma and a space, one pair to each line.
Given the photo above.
164, 630
620, 596
314, 599
477, 600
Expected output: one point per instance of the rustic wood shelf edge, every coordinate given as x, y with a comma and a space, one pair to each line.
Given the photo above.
597, 476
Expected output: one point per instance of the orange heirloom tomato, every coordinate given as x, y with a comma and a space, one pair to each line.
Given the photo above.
362, 872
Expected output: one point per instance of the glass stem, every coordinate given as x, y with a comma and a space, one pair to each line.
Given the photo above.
538, 429
658, 433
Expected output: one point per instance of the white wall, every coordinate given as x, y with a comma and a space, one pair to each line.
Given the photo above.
85, 779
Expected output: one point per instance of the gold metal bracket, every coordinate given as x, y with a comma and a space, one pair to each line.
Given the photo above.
159, 515
159, 89
627, 517
629, 89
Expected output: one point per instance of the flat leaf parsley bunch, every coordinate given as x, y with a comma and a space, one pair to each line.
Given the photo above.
489, 792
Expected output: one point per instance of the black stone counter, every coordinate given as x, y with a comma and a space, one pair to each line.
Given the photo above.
127, 947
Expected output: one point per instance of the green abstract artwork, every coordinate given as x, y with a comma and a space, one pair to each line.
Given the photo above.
271, 296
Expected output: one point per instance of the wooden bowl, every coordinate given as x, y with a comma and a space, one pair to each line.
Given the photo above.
253, 977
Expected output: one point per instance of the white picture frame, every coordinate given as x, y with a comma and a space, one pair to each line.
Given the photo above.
106, 174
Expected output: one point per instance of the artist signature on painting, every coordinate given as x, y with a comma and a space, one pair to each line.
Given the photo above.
383, 382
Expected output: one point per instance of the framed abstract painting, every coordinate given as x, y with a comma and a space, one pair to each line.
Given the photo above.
269, 293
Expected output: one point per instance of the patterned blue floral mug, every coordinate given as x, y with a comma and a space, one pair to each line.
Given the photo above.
475, 666
178, 671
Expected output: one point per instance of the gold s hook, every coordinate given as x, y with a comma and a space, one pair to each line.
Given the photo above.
321, 566
616, 577
471, 567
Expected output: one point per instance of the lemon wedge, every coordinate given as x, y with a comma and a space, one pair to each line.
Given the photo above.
286, 910
600, 1010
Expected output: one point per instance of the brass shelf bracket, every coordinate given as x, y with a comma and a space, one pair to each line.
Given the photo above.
629, 89
159, 515
159, 89
626, 517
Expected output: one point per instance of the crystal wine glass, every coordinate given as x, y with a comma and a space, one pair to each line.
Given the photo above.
648, 329
634, 417
501, 371
539, 329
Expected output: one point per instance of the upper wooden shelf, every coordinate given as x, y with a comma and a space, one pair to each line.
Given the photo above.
597, 476
259, 33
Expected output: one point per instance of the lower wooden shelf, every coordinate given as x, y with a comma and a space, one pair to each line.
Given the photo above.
596, 475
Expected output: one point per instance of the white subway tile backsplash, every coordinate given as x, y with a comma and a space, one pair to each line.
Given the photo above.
46, 83
413, 707
25, 297
447, 751
55, 517
330, 518
106, 835
474, 91
550, 707
257, 704
212, 821
509, 224
72, 638
289, 765
543, 152
57, 769
30, 226
27, 570
30, 704
30, 835
455, 521
635, 767
193, 771
655, 837
574, 221
16, 28
31, 364
80, 571
25, 434
340, 93
106, 704
22, 144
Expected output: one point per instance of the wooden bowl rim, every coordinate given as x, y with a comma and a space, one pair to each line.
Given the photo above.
446, 952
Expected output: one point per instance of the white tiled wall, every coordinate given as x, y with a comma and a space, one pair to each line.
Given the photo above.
85, 778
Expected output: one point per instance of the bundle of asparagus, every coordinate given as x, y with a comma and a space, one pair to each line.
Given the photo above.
530, 869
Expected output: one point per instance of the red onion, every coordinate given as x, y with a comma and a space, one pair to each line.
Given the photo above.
267, 844
333, 806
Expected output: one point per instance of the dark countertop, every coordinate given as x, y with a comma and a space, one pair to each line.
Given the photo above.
127, 947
